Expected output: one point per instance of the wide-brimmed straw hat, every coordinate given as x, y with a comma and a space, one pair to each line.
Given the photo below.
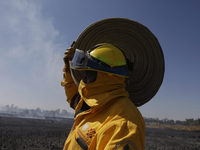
138, 44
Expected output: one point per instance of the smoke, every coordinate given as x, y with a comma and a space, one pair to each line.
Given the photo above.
14, 111
31, 54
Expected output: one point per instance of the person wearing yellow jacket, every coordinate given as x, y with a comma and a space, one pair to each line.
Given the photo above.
105, 118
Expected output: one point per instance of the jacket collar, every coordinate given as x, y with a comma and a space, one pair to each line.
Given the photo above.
105, 89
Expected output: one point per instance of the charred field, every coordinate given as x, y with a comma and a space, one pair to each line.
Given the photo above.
50, 134
33, 134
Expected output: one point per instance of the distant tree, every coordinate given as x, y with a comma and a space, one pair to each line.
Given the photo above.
64, 113
38, 111
171, 121
189, 122
166, 120
57, 112
35, 112
25, 112
52, 113
178, 122
12, 106
14, 109
7, 108
32, 113
198, 121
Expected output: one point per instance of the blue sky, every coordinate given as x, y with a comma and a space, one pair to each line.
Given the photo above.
35, 34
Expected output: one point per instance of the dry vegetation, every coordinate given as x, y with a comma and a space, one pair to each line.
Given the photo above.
35, 134
175, 127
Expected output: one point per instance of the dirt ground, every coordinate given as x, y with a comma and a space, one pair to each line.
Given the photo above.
36, 134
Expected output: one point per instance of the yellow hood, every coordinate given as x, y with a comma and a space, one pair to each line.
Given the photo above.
105, 89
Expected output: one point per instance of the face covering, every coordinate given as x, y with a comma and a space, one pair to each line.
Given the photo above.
90, 76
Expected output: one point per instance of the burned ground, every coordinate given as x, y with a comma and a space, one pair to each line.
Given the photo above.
167, 139
33, 134
38, 134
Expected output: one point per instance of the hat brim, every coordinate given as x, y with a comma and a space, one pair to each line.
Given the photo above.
138, 44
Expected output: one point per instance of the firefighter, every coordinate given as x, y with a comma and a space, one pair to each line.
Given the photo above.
105, 118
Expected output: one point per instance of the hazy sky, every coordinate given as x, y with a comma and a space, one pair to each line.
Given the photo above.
35, 33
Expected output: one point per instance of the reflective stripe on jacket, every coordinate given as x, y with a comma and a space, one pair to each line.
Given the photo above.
112, 122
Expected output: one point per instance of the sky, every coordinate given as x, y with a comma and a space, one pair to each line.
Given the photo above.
35, 34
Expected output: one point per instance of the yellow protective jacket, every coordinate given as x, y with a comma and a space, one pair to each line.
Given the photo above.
112, 122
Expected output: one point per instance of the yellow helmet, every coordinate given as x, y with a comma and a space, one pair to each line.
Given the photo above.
108, 54
102, 57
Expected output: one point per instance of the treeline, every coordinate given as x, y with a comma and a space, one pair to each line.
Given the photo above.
186, 122
14, 111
